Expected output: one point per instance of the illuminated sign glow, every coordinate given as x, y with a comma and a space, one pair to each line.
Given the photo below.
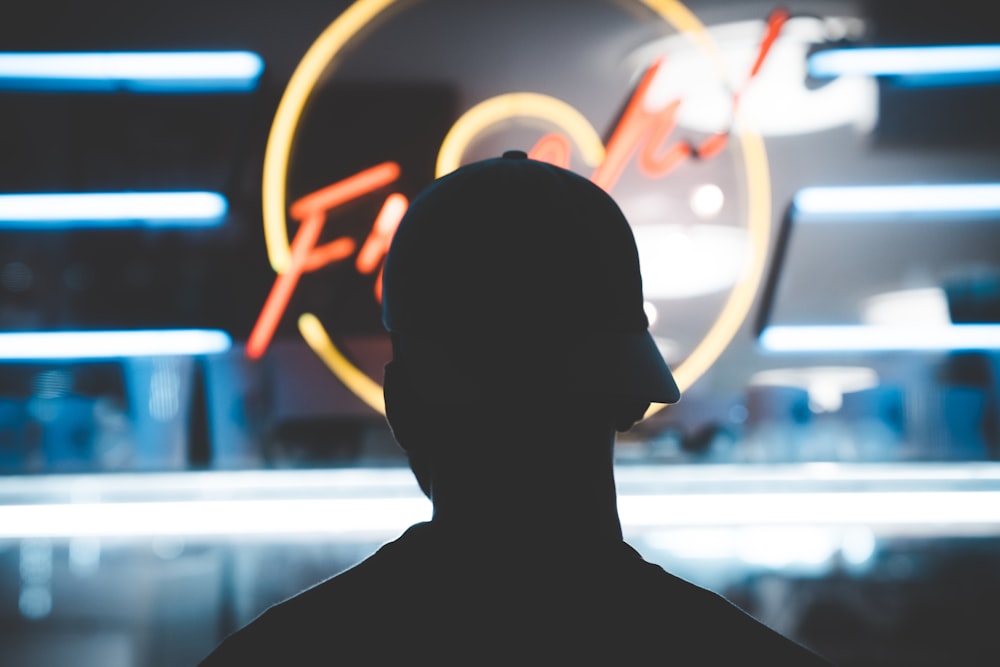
551, 148
642, 136
304, 256
846, 100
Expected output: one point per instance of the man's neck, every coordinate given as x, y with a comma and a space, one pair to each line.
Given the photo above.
569, 494
537, 522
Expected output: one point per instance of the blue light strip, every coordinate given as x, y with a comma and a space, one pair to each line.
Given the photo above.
870, 338
112, 209
890, 200
81, 345
156, 72
912, 65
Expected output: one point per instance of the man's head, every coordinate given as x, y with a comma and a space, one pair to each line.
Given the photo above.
515, 277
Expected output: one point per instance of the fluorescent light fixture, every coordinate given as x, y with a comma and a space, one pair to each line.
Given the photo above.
162, 72
399, 482
74, 345
112, 209
880, 200
921, 307
213, 518
782, 547
873, 508
826, 385
912, 65
932, 499
368, 482
326, 516
879, 338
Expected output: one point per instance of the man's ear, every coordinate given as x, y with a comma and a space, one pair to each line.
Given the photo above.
408, 415
397, 403
402, 411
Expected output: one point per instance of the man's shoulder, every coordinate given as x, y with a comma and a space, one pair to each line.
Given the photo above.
314, 622
693, 623
582, 602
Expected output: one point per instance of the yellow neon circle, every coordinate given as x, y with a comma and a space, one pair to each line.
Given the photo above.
363, 386
518, 105
347, 26
286, 120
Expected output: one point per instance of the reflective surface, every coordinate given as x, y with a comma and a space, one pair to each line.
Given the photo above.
872, 565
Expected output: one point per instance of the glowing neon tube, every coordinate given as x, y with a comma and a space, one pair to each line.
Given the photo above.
880, 338
162, 72
112, 209
898, 199
913, 65
74, 345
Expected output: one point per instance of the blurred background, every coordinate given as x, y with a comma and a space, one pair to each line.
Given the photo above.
190, 426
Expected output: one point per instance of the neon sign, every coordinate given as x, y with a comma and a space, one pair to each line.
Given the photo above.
642, 140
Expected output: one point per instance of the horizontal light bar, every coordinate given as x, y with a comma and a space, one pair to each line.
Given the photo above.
73, 345
879, 200
909, 499
277, 517
112, 209
807, 509
213, 518
797, 548
880, 338
183, 71
632, 479
912, 65
223, 484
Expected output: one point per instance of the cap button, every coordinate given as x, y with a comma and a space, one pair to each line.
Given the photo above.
515, 155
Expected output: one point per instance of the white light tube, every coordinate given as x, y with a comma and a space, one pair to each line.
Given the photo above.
907, 61
73, 345
943, 511
213, 518
875, 508
112, 209
190, 71
399, 482
899, 199
879, 338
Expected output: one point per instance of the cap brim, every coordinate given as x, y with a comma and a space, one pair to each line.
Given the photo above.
627, 364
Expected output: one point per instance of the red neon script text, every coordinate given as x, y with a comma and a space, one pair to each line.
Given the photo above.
311, 212
639, 132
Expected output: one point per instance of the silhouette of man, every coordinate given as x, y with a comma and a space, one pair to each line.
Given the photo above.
520, 346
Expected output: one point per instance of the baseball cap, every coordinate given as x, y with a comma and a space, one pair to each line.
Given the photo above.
512, 274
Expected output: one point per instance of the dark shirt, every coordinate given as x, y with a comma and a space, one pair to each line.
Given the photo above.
434, 597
